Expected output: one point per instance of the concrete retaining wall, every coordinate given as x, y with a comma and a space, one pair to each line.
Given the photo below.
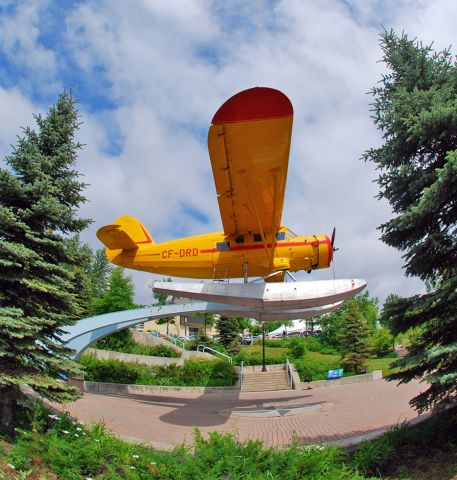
110, 388
366, 377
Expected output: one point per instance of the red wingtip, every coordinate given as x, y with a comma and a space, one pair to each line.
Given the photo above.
259, 103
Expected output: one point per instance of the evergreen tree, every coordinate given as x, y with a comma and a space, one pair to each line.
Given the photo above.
416, 109
81, 255
332, 323
354, 338
228, 329
40, 193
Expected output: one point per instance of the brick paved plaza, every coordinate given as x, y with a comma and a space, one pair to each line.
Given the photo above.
319, 415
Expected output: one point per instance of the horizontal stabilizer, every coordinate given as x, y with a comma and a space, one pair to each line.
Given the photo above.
126, 233
115, 238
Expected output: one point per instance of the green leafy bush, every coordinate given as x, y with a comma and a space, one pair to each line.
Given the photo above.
255, 358
381, 342
297, 348
195, 373
154, 351
315, 368
310, 343
73, 451
123, 342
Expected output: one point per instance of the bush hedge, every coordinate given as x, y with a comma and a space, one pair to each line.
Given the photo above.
195, 373
72, 452
309, 367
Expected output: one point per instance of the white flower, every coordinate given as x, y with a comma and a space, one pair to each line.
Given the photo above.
153, 463
132, 467
76, 435
78, 429
135, 456
54, 417
65, 432
84, 433
98, 441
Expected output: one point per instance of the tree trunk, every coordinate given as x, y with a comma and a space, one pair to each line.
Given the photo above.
8, 408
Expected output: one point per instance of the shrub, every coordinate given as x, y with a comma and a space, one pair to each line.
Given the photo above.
297, 348
255, 358
381, 342
315, 368
197, 373
154, 351
73, 452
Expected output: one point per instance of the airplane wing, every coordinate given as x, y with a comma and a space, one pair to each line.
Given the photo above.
249, 143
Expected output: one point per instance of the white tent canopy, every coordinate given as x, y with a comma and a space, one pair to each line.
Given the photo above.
297, 327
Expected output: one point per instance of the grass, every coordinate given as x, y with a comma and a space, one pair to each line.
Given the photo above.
312, 364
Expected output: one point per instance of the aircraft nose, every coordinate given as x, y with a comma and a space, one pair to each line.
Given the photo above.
326, 252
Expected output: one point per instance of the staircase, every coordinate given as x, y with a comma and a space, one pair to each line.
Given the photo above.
266, 381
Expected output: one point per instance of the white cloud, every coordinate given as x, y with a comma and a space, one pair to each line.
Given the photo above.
16, 112
19, 40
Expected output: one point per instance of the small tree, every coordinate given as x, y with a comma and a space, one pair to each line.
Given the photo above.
228, 329
161, 299
98, 271
116, 298
382, 342
40, 194
354, 338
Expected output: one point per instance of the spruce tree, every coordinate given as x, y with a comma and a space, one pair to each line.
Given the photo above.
40, 193
228, 329
354, 338
416, 109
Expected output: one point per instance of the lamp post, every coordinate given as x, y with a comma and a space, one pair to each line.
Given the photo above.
264, 368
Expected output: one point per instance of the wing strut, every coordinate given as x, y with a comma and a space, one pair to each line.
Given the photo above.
274, 240
257, 217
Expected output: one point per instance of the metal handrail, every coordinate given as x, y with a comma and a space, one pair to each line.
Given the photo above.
289, 372
204, 347
174, 340
241, 375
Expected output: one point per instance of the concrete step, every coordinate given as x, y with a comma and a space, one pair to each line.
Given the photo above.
266, 381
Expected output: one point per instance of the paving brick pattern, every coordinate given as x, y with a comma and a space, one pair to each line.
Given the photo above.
338, 412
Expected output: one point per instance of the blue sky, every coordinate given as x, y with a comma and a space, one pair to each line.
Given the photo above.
150, 75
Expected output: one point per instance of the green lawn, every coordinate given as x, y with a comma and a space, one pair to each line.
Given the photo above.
274, 352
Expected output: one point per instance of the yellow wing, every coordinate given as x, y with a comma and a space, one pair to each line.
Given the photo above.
249, 143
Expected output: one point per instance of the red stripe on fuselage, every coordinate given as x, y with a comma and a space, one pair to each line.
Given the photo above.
250, 247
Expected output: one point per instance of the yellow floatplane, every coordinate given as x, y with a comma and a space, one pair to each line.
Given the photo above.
249, 143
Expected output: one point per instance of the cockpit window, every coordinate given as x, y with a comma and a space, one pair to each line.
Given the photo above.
239, 239
281, 236
222, 246
257, 237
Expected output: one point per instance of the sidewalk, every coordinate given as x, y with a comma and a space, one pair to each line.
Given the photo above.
313, 416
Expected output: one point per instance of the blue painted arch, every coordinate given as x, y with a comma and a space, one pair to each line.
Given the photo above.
87, 331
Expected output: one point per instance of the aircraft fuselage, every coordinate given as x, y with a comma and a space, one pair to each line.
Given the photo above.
218, 256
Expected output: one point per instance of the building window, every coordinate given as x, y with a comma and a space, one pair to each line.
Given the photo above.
222, 246
281, 236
